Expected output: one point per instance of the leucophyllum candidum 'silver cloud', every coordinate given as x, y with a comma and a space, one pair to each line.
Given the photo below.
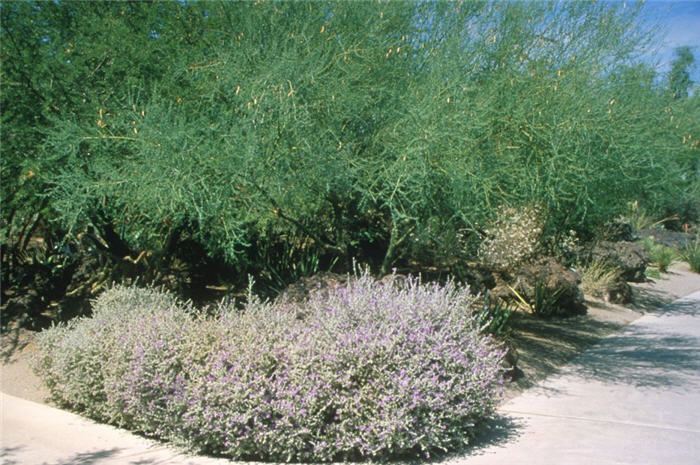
364, 370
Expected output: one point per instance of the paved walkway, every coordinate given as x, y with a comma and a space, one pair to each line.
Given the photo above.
34, 434
634, 398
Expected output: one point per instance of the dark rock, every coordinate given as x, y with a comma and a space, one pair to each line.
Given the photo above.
667, 238
480, 278
322, 282
558, 281
616, 231
630, 258
619, 292
510, 361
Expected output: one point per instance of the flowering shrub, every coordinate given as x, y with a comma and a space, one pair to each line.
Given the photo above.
512, 238
89, 363
366, 371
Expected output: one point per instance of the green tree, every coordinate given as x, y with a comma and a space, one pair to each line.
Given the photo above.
679, 78
64, 61
273, 132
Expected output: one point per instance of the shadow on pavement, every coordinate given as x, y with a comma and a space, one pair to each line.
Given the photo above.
6, 454
649, 300
87, 458
496, 431
644, 359
546, 345
12, 342
12, 456
646, 355
499, 430
682, 307
657, 302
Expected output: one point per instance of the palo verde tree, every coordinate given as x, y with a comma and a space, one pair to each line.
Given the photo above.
61, 63
271, 133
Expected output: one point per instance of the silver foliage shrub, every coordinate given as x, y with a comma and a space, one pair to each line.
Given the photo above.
367, 371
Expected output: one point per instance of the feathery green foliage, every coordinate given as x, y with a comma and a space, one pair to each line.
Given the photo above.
679, 79
295, 129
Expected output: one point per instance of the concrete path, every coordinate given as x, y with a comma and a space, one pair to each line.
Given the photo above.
632, 399
35, 434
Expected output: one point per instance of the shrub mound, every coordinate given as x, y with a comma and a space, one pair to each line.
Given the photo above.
362, 371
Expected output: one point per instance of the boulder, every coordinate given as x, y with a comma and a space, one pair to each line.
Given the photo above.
630, 258
557, 279
615, 231
300, 290
668, 238
559, 282
618, 292
510, 361
479, 277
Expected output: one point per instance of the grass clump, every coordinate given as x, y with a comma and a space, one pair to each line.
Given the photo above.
495, 316
364, 372
691, 254
545, 301
660, 256
652, 273
598, 277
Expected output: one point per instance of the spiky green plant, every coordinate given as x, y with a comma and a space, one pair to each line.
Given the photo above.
660, 256
691, 254
495, 316
545, 301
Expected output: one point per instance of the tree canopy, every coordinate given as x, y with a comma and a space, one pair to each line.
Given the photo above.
271, 132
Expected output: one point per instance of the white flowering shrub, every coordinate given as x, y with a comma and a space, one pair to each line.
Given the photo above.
512, 238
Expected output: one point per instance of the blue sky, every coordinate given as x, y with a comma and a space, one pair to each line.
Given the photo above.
679, 24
